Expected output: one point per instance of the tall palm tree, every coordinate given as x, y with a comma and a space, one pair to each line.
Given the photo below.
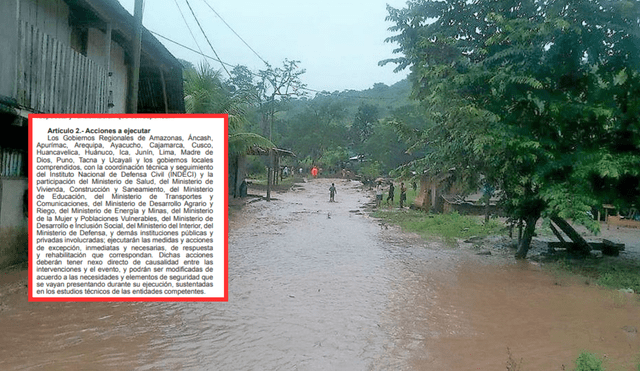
206, 93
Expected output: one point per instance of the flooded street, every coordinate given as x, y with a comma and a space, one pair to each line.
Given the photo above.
315, 285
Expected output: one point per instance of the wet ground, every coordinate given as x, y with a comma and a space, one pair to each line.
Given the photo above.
315, 285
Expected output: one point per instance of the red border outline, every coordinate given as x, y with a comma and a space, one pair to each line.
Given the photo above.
226, 207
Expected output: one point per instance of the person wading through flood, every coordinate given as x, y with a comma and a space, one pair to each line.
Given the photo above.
403, 194
332, 192
392, 191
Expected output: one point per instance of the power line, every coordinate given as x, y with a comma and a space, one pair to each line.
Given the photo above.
232, 30
191, 49
206, 37
189, 28
250, 72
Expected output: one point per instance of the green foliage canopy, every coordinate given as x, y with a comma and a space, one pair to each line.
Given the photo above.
539, 98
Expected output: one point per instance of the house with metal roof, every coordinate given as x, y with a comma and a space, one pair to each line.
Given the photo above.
71, 56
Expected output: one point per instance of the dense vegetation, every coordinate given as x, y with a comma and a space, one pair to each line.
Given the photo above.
537, 100
325, 130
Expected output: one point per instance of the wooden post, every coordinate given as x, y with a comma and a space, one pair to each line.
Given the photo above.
107, 64
16, 68
276, 168
135, 68
269, 169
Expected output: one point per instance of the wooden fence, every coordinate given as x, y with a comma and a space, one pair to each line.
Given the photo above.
53, 78
11, 163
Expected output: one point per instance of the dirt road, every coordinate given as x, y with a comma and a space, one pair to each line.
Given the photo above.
317, 285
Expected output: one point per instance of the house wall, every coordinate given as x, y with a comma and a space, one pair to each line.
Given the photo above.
119, 79
96, 52
8, 46
50, 16
13, 224
11, 213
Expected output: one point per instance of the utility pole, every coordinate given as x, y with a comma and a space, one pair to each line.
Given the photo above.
135, 68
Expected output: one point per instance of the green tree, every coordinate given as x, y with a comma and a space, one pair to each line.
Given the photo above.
319, 126
533, 96
362, 128
277, 86
205, 92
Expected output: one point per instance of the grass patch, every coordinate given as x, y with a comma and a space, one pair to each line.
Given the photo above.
411, 195
286, 183
448, 227
613, 273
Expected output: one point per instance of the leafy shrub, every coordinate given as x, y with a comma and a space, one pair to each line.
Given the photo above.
588, 362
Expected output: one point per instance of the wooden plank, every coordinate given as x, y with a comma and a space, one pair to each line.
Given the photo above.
69, 83
52, 78
84, 98
80, 84
73, 72
68, 63
34, 67
21, 63
104, 108
45, 68
581, 245
70, 69
104, 96
60, 80
556, 233
76, 83
59, 96
29, 67
89, 96
42, 70
87, 86
77, 107
164, 91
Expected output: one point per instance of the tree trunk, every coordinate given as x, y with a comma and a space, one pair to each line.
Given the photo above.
487, 212
525, 242
519, 231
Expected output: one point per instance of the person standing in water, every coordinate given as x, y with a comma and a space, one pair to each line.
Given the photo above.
332, 192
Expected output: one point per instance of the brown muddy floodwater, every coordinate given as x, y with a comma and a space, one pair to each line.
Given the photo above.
315, 285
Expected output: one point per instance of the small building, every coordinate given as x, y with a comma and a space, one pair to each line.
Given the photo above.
237, 166
442, 193
70, 56
432, 187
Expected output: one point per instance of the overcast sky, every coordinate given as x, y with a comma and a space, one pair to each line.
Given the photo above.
339, 42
